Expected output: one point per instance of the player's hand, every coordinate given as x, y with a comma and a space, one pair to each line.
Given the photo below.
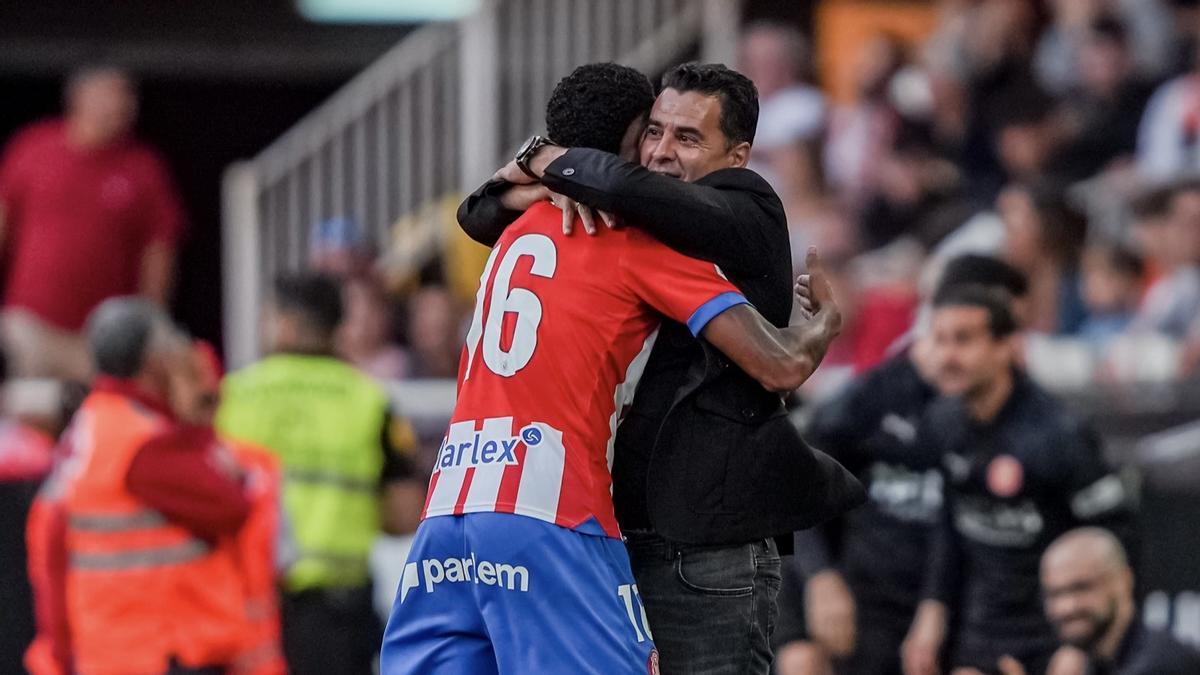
919, 653
813, 292
511, 173
521, 197
572, 209
802, 658
829, 611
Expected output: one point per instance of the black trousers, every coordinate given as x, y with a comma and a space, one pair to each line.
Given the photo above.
330, 632
711, 608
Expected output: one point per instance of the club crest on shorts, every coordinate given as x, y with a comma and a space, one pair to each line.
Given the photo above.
1005, 476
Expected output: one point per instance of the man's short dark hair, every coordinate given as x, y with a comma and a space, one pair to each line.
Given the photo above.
737, 94
594, 106
996, 302
982, 270
316, 297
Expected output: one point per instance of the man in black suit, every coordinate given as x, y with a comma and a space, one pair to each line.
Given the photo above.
707, 469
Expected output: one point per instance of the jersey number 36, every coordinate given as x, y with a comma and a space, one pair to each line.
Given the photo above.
502, 298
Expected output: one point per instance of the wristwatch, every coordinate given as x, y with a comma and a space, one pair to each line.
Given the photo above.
528, 150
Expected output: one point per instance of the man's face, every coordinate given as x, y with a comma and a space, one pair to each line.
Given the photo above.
105, 104
1081, 599
684, 138
965, 356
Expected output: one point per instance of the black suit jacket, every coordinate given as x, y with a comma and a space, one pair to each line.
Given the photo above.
723, 463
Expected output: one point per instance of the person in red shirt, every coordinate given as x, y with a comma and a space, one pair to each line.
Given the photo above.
86, 213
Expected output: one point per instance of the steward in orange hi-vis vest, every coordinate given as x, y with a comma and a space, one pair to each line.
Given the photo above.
141, 591
254, 553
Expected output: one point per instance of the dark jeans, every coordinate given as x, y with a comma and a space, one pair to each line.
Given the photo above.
711, 608
330, 631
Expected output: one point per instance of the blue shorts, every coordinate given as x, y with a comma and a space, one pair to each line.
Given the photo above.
500, 593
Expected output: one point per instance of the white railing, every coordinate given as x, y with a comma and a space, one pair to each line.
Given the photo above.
429, 120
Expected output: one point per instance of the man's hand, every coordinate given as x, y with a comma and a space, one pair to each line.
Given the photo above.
802, 658
570, 208
521, 197
537, 164
1067, 661
829, 611
511, 173
919, 653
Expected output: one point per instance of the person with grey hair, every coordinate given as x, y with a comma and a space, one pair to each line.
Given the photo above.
147, 493
87, 213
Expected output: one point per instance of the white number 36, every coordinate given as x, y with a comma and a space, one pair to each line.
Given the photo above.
503, 299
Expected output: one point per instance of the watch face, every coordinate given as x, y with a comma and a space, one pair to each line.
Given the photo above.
527, 146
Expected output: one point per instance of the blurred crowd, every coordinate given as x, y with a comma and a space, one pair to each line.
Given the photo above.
1016, 193
1057, 136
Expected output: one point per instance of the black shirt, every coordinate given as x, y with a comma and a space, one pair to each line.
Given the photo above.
1012, 486
1149, 652
872, 429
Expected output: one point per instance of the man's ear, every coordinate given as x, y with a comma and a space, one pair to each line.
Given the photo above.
739, 156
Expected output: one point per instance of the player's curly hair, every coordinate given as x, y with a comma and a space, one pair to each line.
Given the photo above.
594, 106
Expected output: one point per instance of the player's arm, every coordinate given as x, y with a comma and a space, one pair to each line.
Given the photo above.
486, 212
780, 359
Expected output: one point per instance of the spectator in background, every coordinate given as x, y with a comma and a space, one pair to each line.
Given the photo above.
1152, 39
347, 472
1101, 114
1172, 303
918, 194
1026, 136
1018, 470
1112, 288
998, 82
1088, 587
88, 213
1043, 239
365, 336
1169, 135
777, 59
142, 499
814, 216
863, 131
435, 335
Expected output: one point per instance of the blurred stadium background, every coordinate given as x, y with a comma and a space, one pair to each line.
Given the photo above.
342, 134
